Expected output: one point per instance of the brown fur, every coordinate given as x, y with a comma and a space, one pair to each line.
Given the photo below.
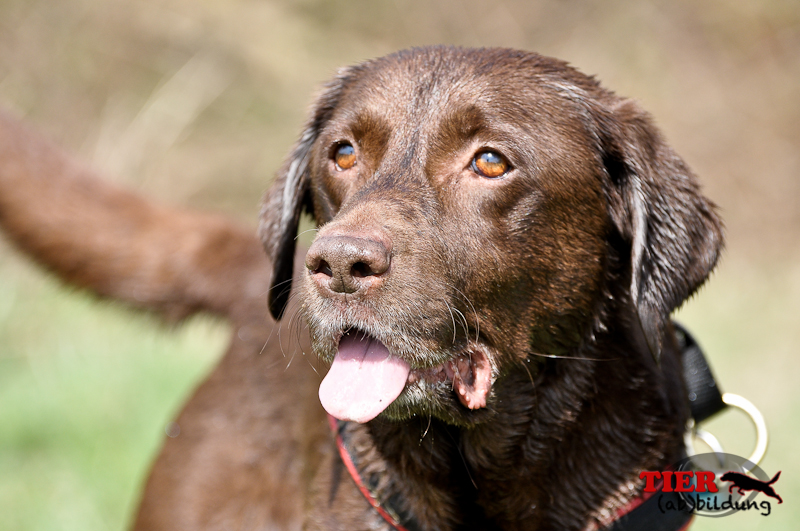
581, 251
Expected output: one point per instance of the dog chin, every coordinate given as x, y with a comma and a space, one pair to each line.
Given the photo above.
437, 400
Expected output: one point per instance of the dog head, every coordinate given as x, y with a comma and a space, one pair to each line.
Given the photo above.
476, 207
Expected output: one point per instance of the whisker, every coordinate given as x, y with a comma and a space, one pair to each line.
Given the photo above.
453, 319
467, 300
315, 229
308, 360
524, 364
260, 352
472, 307
464, 322
427, 428
557, 357
280, 324
278, 285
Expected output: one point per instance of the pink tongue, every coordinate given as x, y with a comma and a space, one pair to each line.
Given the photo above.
364, 379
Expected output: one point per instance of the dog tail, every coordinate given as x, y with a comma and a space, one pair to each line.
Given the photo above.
774, 479
95, 235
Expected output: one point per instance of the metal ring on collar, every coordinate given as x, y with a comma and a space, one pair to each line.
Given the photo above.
739, 402
757, 418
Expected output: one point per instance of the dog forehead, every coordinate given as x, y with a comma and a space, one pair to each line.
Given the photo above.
408, 90
426, 82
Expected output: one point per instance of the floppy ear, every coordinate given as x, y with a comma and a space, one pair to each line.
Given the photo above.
290, 195
674, 232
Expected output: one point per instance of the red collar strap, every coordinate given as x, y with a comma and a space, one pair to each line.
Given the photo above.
644, 512
640, 513
392, 516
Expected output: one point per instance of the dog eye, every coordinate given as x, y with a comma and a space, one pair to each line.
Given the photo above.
344, 155
490, 164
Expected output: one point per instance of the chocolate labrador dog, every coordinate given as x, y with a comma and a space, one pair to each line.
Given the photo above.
500, 243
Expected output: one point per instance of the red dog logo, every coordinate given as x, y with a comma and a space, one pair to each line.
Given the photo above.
743, 483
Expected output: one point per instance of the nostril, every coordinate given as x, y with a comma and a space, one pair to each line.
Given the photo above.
347, 264
361, 270
324, 268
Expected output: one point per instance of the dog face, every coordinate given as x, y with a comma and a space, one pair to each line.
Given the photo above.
477, 208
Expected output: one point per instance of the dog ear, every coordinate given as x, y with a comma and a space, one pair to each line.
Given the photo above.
674, 233
290, 195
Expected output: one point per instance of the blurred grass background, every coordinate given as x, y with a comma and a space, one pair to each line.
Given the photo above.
196, 103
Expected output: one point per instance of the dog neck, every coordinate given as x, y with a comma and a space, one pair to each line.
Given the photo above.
563, 449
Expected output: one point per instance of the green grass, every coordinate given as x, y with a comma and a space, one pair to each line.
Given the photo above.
86, 389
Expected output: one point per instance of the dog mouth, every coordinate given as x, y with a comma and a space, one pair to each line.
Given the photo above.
365, 378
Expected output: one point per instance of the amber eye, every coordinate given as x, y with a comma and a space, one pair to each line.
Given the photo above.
490, 164
344, 155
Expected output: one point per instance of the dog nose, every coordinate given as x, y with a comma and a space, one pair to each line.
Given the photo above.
347, 264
